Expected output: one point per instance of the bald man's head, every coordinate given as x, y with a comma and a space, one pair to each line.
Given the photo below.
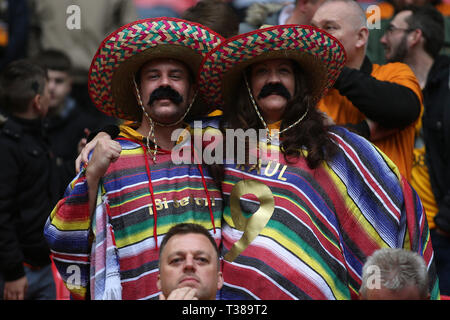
345, 20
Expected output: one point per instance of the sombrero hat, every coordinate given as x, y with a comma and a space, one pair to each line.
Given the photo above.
318, 53
124, 51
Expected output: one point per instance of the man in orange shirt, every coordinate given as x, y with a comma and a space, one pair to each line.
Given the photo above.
416, 39
381, 102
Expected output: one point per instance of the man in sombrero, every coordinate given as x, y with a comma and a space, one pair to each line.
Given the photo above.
302, 226
104, 233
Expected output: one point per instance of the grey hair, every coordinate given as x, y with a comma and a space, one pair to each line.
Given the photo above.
398, 268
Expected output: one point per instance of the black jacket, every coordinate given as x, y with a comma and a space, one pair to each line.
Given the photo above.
436, 131
65, 132
390, 104
28, 191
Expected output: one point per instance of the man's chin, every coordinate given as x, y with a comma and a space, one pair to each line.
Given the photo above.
167, 119
189, 283
166, 114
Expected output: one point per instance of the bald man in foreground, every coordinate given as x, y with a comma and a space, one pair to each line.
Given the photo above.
380, 102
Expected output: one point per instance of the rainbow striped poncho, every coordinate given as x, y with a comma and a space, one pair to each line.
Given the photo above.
179, 196
311, 231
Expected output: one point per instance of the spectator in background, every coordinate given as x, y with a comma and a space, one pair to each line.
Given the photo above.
67, 123
299, 12
415, 36
76, 27
189, 265
28, 180
241, 6
217, 15
14, 28
162, 8
380, 102
394, 274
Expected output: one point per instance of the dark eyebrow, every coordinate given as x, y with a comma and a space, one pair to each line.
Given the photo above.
183, 253
157, 70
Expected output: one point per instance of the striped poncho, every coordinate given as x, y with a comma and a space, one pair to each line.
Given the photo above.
311, 231
179, 195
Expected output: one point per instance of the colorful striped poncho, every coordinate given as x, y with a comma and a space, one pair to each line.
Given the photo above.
289, 232
179, 195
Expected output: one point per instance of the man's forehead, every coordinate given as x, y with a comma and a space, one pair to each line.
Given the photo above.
330, 11
165, 63
190, 242
401, 17
57, 73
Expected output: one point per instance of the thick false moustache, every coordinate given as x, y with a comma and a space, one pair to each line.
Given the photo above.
165, 93
274, 88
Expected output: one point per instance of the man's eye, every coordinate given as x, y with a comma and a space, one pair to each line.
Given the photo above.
260, 71
202, 260
175, 261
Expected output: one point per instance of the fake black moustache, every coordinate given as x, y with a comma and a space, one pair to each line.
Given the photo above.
274, 88
165, 92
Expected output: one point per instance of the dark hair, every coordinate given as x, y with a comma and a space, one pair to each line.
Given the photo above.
20, 82
428, 19
217, 15
186, 228
53, 59
310, 133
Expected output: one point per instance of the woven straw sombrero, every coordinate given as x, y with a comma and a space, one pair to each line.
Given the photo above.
318, 53
124, 51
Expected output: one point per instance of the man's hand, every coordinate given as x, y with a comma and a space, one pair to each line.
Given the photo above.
105, 152
15, 290
378, 132
185, 293
87, 148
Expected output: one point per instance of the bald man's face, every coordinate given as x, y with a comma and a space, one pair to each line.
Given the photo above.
343, 22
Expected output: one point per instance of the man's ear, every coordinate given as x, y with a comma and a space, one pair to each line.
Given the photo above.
363, 37
158, 282
37, 103
219, 280
415, 37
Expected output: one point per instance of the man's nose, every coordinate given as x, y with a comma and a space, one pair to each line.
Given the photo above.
189, 263
273, 77
164, 80
51, 85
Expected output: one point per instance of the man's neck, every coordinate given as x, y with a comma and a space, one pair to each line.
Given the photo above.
420, 62
357, 62
163, 135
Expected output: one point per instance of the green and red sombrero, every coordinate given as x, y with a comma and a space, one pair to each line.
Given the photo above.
317, 52
125, 50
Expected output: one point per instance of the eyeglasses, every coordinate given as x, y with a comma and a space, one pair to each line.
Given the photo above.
390, 29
